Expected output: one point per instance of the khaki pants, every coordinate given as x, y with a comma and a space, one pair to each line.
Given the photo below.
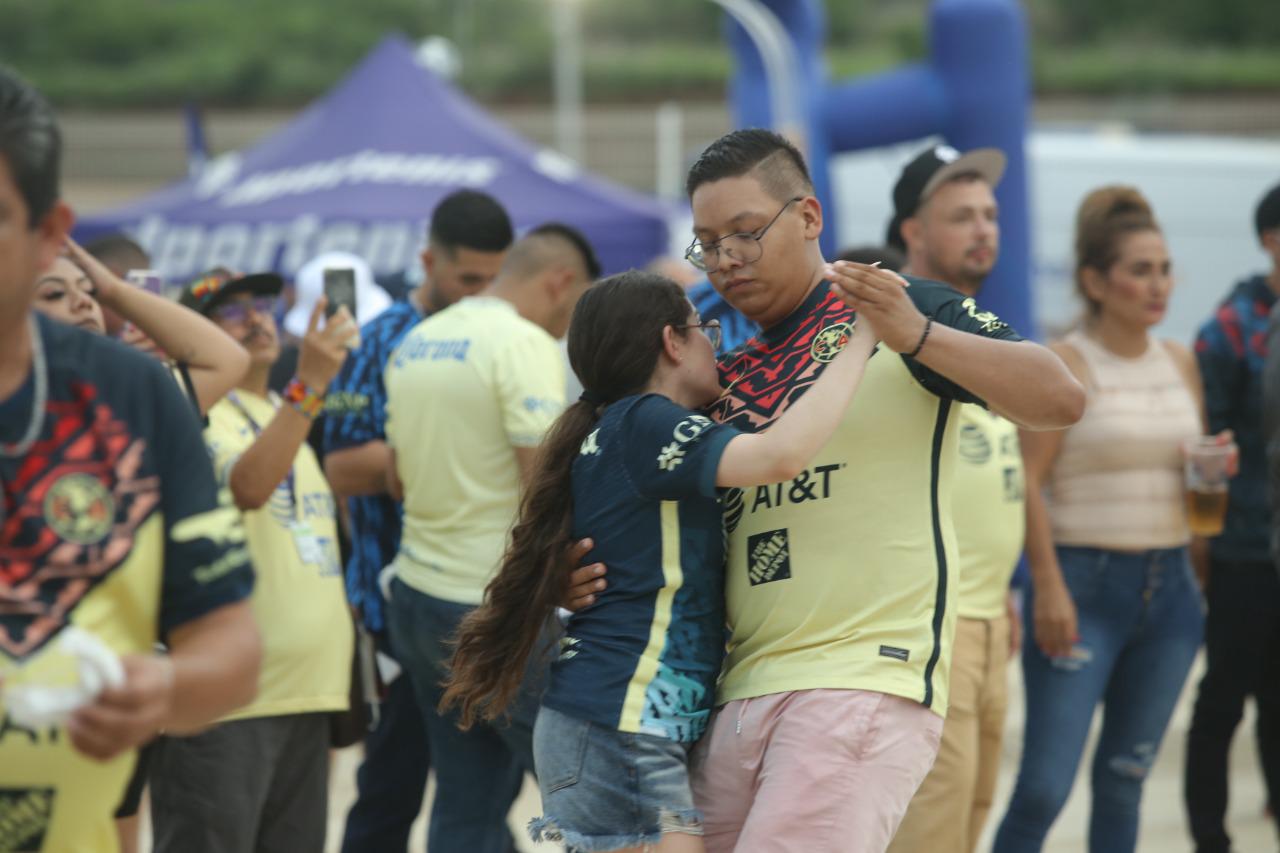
949, 810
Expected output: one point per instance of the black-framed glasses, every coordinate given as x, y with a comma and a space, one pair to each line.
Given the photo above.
710, 328
745, 246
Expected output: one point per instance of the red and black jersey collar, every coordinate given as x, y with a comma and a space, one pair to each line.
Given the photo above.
784, 329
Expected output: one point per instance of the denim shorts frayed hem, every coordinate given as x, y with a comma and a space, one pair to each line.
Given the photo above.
546, 829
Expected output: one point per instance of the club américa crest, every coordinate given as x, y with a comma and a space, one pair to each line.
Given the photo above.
828, 342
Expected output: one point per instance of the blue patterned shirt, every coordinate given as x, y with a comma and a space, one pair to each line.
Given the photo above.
1232, 350
735, 328
356, 413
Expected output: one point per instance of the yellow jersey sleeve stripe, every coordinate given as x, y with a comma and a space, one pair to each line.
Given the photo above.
672, 578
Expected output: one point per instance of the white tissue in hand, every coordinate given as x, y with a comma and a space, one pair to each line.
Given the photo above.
34, 706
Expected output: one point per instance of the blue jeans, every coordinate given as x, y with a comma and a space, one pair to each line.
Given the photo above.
603, 789
393, 776
478, 772
1140, 623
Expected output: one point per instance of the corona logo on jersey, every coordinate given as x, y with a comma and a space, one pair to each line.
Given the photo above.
828, 342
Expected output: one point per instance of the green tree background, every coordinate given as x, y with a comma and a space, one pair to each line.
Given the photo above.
143, 53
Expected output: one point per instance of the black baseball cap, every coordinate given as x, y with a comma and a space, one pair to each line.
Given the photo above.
1267, 214
931, 169
216, 286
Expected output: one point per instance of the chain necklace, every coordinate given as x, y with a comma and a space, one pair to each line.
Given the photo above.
36, 422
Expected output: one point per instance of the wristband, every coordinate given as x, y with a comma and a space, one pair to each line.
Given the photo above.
924, 336
303, 398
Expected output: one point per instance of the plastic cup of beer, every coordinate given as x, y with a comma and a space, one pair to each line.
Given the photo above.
1208, 475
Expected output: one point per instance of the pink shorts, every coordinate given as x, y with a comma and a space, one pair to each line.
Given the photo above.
811, 771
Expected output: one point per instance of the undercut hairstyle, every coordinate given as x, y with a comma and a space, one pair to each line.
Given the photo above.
468, 219
30, 144
571, 235
548, 245
766, 155
119, 251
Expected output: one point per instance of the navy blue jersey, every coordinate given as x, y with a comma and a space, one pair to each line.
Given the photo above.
645, 657
110, 523
356, 413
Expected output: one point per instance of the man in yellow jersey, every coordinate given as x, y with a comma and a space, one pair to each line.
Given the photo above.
111, 538
945, 218
470, 392
840, 584
259, 779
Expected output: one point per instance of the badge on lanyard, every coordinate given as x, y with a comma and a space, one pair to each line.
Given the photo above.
315, 550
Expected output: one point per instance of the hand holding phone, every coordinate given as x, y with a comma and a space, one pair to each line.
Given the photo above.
340, 290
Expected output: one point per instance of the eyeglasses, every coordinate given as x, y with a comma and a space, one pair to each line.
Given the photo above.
710, 328
744, 246
238, 312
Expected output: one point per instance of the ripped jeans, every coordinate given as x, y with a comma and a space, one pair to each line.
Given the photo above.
1141, 619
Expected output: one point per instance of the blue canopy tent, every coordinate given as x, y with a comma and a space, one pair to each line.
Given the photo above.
361, 170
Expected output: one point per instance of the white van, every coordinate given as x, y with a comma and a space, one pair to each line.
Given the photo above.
1203, 189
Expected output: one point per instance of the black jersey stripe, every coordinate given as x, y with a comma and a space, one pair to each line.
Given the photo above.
940, 551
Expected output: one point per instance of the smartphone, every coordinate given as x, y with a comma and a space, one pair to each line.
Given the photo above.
147, 280
340, 289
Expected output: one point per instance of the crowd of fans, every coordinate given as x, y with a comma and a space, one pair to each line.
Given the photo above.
750, 586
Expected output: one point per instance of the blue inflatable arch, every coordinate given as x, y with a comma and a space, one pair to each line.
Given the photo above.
973, 90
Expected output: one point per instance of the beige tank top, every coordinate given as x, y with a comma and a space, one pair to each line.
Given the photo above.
1117, 482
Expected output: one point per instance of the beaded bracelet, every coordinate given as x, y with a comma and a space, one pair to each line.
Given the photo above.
303, 398
924, 336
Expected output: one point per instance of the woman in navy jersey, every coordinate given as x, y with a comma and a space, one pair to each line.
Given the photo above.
633, 462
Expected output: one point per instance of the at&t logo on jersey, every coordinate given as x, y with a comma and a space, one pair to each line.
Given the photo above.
814, 484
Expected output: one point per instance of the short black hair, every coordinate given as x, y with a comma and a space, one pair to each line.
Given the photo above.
30, 144
118, 247
575, 237
778, 164
469, 219
1267, 214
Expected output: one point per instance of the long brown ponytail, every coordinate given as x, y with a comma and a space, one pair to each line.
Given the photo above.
615, 339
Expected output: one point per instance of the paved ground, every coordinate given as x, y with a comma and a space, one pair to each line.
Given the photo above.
1163, 826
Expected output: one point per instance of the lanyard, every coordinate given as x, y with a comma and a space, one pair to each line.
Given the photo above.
234, 399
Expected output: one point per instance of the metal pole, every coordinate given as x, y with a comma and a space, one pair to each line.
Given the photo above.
782, 67
567, 77
670, 150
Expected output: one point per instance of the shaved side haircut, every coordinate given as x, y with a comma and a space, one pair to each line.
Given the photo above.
548, 245
763, 154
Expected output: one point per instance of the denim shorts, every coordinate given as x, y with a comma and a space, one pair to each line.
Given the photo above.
603, 789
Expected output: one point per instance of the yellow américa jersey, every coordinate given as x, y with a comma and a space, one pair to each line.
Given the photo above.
846, 576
